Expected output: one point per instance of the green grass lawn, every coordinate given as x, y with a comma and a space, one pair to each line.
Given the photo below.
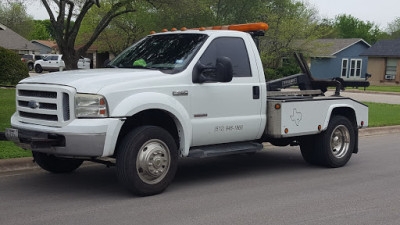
379, 115
7, 107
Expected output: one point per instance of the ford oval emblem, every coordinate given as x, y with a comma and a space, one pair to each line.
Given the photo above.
33, 104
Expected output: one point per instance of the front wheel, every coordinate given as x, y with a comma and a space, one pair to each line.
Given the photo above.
55, 164
147, 160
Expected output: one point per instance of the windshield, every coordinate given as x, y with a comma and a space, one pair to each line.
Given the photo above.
169, 53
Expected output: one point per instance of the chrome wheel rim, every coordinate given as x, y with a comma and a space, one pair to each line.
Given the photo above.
340, 141
153, 161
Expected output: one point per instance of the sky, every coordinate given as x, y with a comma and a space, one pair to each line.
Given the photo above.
381, 12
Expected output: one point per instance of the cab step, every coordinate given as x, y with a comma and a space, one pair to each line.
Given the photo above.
224, 149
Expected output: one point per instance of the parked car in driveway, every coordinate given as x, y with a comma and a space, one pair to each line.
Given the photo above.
56, 63
30, 60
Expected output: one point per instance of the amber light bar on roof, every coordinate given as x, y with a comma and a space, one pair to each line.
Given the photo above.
237, 27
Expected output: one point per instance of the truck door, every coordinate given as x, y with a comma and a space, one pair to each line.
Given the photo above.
227, 112
53, 62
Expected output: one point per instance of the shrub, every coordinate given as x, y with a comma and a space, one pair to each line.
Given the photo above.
12, 69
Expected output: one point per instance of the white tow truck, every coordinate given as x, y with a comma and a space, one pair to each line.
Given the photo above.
188, 93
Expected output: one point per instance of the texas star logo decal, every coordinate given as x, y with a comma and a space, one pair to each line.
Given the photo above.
296, 117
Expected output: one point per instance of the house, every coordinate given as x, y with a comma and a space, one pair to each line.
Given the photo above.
384, 62
15, 42
46, 46
337, 58
51, 47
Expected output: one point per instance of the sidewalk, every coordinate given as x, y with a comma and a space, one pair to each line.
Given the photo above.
20, 164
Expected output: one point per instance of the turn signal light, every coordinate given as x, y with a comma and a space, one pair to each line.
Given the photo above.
286, 130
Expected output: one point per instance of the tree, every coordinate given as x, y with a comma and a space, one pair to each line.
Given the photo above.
121, 32
348, 26
14, 16
289, 22
129, 28
66, 30
41, 30
394, 28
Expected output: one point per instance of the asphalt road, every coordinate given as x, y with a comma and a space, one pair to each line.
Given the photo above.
274, 186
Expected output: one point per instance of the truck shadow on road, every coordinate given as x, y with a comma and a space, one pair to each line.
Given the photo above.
97, 180
238, 166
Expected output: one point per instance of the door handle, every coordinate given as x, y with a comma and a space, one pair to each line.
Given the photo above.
256, 92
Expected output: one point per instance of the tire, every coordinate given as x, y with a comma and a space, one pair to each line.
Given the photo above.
38, 68
309, 150
332, 148
30, 66
147, 160
55, 164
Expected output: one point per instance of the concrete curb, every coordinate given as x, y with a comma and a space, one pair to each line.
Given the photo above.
370, 131
20, 164
26, 163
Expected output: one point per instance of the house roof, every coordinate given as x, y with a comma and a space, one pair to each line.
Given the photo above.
53, 45
330, 47
384, 48
11, 40
47, 43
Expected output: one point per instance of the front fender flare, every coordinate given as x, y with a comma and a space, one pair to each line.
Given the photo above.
150, 100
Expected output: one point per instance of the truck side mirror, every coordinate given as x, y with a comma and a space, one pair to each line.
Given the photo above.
222, 72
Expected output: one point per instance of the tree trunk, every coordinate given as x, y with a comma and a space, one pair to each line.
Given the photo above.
70, 60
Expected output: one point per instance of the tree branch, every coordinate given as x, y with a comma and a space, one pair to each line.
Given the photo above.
71, 9
99, 29
104, 23
74, 31
51, 15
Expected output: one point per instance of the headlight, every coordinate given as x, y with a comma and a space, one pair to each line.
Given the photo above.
87, 105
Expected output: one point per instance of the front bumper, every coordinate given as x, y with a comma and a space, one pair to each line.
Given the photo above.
80, 138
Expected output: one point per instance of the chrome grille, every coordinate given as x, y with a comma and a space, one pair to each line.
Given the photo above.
44, 104
39, 94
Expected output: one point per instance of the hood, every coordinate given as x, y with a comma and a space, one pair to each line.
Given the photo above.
92, 80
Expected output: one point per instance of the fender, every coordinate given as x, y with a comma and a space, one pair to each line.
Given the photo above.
330, 110
152, 100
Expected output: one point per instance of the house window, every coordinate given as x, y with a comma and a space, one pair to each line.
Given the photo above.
355, 67
345, 66
391, 68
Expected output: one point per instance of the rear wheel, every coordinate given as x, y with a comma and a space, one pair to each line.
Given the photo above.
38, 68
55, 164
147, 160
332, 148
